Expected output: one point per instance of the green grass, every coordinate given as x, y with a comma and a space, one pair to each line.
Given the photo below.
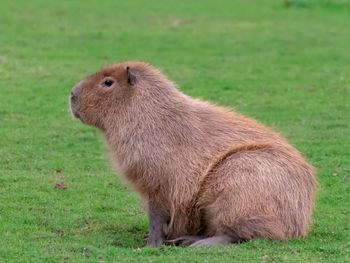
285, 63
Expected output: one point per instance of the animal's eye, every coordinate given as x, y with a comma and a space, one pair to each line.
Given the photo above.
107, 83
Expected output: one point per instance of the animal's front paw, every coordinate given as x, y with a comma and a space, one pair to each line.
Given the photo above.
155, 240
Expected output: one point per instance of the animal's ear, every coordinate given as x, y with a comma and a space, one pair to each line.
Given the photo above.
132, 78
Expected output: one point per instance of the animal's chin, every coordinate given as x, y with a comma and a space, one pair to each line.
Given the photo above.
81, 117
76, 115
75, 112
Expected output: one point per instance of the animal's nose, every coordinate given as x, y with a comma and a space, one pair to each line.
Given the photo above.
73, 96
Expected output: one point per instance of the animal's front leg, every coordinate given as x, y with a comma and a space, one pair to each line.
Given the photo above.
157, 220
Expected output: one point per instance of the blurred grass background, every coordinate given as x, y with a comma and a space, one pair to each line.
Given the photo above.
285, 63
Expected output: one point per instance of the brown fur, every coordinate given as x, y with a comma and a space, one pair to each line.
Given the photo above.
203, 169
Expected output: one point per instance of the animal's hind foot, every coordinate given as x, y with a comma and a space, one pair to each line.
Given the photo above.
184, 240
199, 241
213, 241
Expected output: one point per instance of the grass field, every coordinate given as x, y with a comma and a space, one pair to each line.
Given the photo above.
287, 65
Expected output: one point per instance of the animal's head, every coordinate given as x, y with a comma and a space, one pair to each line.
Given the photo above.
102, 95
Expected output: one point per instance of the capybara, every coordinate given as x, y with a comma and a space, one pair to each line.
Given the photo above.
207, 175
